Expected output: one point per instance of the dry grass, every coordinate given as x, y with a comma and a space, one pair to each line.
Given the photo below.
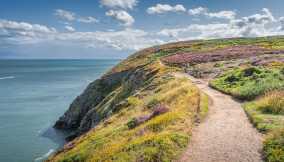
272, 102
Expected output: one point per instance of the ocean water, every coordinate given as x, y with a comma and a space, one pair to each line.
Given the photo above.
33, 94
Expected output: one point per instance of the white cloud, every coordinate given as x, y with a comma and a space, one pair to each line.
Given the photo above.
204, 11
263, 24
197, 11
164, 8
127, 39
65, 15
19, 33
88, 19
266, 17
69, 28
123, 4
222, 14
71, 16
16, 33
122, 16
22, 32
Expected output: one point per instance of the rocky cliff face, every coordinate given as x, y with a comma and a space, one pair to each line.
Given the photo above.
88, 100
102, 98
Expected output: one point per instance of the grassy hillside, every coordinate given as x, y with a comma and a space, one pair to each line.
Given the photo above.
139, 110
151, 124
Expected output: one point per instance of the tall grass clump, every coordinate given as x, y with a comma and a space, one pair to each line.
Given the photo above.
272, 102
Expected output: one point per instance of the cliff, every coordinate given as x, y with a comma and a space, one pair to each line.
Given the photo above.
140, 111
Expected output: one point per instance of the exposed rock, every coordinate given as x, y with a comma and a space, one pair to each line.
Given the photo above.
90, 98
101, 99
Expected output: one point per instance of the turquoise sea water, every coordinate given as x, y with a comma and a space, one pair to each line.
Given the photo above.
33, 94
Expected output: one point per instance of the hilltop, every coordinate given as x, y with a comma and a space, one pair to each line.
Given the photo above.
141, 110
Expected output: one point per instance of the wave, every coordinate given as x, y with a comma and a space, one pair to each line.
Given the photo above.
7, 77
43, 157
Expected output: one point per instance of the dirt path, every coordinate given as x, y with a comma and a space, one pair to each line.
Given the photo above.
226, 135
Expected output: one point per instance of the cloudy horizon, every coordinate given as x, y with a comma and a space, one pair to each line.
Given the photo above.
117, 28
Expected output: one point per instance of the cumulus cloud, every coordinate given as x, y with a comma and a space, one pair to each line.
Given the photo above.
69, 28
164, 8
205, 11
259, 24
16, 33
262, 24
65, 15
124, 17
23, 32
71, 16
122, 4
197, 11
266, 17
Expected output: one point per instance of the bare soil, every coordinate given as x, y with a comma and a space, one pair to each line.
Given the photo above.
226, 135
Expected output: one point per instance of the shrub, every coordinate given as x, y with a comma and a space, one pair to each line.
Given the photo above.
152, 103
248, 83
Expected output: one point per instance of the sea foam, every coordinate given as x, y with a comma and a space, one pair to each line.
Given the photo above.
43, 157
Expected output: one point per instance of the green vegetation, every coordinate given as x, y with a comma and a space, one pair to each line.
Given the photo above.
249, 82
266, 113
274, 146
263, 85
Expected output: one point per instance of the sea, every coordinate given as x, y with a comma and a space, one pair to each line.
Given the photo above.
33, 95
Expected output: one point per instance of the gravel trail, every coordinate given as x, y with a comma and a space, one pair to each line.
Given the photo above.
226, 135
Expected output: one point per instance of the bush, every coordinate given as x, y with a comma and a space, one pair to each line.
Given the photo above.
248, 83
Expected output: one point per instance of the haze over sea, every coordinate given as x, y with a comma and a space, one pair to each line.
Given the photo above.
33, 94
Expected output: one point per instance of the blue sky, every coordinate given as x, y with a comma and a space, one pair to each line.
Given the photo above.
117, 28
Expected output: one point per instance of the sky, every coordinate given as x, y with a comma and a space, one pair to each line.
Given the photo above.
83, 29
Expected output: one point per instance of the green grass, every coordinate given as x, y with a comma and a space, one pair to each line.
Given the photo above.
248, 82
265, 115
